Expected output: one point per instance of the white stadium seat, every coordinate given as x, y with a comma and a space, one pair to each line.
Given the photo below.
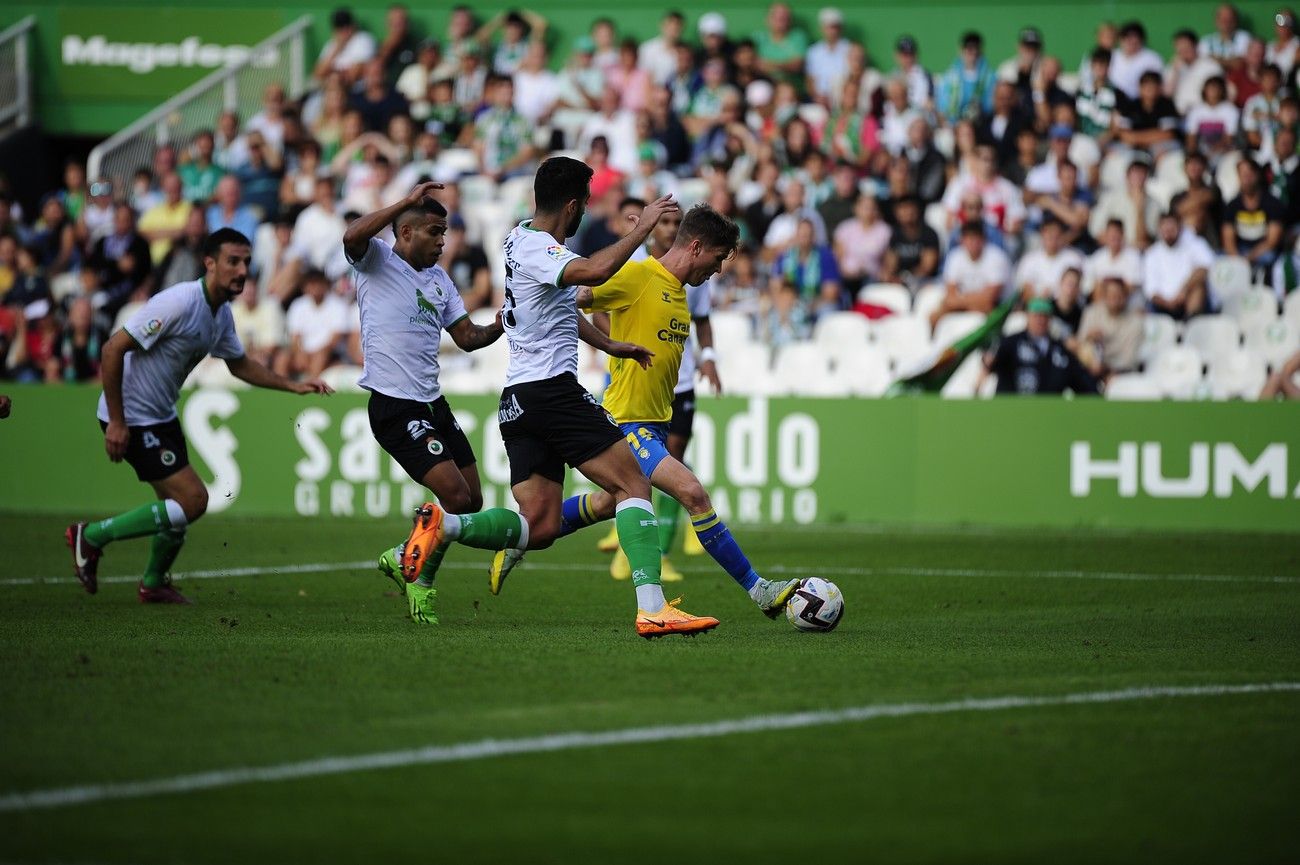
864, 371
744, 369
802, 369
1212, 336
343, 378
213, 372
962, 383
1159, 332
903, 339
692, 191
1252, 308
1276, 341
956, 325
455, 162
835, 329
1229, 275
1133, 386
937, 218
1113, 168
928, 298
1240, 374
1291, 309
1016, 322
1177, 372
895, 297
730, 329
517, 195
944, 141
1226, 175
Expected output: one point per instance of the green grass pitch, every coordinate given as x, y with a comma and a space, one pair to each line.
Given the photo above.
274, 668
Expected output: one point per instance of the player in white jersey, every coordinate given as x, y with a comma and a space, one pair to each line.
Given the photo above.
143, 366
406, 301
547, 419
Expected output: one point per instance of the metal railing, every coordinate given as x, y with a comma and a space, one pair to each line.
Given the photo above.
15, 76
237, 87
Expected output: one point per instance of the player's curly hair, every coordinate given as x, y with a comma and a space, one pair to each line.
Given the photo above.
714, 230
559, 181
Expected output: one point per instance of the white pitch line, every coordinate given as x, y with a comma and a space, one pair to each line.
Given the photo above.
489, 748
881, 571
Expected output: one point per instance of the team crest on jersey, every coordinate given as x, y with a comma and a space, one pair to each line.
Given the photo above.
168, 458
435, 447
556, 252
417, 429
154, 325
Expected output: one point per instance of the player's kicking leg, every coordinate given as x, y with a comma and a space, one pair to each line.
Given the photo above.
667, 508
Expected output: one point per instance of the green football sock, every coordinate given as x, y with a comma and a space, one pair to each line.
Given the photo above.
431, 565
667, 511
494, 529
638, 535
144, 520
162, 553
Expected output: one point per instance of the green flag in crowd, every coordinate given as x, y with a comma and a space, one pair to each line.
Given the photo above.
932, 373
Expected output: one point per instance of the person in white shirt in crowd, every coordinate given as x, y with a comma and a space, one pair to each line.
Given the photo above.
369, 193
1259, 116
975, 275
1024, 67
1131, 205
1004, 206
1114, 260
415, 79
347, 51
581, 82
1175, 271
318, 230
1044, 178
315, 324
1040, 270
658, 55
270, 120
920, 87
897, 116
1211, 125
1187, 72
1107, 39
537, 88
1227, 44
259, 322
1281, 49
1132, 59
617, 126
795, 208
827, 62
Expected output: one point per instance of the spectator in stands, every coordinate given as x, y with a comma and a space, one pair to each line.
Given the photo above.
896, 115
861, 243
54, 237
1097, 101
367, 194
469, 85
927, 168
30, 284
199, 174
1110, 332
184, 259
8, 263
229, 211
415, 80
319, 228
781, 46
97, 216
1260, 115
810, 267
315, 324
786, 319
581, 82
913, 253
347, 50
1211, 124
1187, 72
298, 186
1131, 205
1001, 125
704, 112
377, 101
658, 55
1071, 204
163, 223
1133, 60
608, 217
1024, 70
1003, 205
920, 89
1024, 160
518, 28
259, 177
604, 38
1282, 383
270, 120
1040, 270
1252, 223
1284, 169
1047, 94
1244, 80
1107, 40
839, 205
965, 90
1150, 122
259, 321
1034, 362
34, 355
398, 49
502, 137
1114, 260
1067, 303
461, 27
467, 265
794, 210
80, 343
448, 120
975, 275
765, 203
1227, 44
121, 259
1175, 271
1199, 206
827, 62
537, 88
1281, 51
74, 193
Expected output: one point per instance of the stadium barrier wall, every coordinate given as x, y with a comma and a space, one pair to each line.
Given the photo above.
913, 461
101, 64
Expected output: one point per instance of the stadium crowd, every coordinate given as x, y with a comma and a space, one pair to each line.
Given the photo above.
1133, 189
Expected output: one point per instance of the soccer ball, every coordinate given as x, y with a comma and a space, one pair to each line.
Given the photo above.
816, 606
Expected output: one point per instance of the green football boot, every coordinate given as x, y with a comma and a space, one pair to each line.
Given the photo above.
773, 594
419, 599
390, 565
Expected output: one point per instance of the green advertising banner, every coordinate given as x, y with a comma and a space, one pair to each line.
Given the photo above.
1005, 462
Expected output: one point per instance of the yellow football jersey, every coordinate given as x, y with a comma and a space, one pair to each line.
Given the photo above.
647, 306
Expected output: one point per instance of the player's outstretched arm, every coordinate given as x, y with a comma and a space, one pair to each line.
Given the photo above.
471, 337
112, 361
594, 337
358, 235
604, 264
249, 370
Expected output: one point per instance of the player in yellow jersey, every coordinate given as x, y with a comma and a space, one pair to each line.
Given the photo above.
646, 301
